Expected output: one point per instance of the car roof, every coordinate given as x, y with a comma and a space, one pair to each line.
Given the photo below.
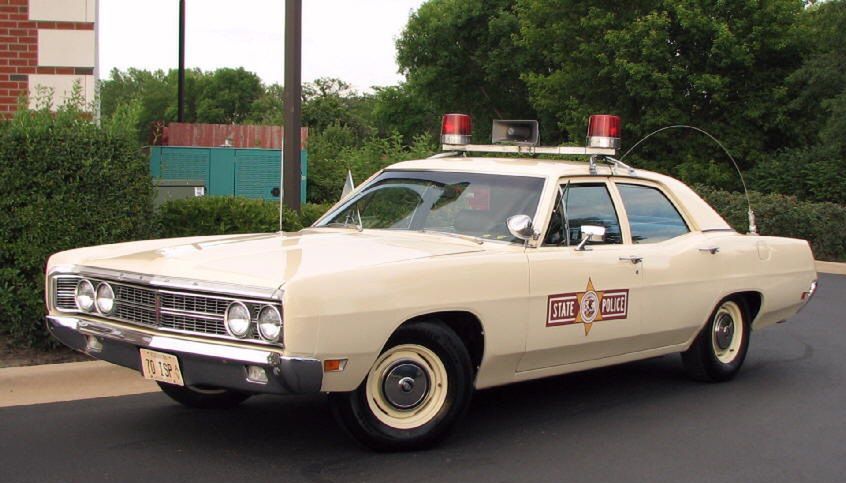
702, 213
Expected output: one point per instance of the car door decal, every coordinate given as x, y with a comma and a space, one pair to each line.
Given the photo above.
587, 307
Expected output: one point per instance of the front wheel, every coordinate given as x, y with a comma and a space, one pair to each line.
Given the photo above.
720, 349
203, 398
416, 390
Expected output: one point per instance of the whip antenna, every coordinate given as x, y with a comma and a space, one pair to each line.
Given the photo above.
753, 229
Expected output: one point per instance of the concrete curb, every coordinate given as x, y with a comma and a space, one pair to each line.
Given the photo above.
68, 382
831, 267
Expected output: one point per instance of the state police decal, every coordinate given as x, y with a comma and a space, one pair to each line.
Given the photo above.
587, 307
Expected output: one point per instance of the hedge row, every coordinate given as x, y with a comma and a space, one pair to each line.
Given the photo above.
64, 183
219, 215
822, 224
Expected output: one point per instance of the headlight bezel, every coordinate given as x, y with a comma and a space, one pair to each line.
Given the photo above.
249, 319
97, 298
92, 297
280, 326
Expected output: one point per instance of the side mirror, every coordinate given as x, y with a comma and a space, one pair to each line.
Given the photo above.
591, 233
521, 227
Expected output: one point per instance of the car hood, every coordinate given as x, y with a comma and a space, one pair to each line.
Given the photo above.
266, 260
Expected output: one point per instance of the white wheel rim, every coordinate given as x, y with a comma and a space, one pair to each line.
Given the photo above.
727, 332
407, 386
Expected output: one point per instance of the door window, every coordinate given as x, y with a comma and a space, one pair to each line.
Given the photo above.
586, 204
652, 217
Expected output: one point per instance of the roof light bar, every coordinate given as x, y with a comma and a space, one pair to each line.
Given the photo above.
560, 150
521, 137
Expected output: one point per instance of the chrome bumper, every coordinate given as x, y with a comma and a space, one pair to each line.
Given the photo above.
202, 363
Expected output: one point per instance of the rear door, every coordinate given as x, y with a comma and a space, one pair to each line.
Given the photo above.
682, 268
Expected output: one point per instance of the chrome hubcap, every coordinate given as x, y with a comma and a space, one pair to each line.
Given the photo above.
405, 385
724, 331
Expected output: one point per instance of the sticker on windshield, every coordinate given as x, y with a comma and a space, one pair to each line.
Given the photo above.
587, 307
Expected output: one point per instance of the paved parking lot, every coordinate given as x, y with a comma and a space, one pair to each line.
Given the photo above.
782, 419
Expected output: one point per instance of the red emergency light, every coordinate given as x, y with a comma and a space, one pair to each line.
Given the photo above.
604, 131
456, 129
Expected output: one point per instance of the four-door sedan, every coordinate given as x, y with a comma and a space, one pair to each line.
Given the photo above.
432, 279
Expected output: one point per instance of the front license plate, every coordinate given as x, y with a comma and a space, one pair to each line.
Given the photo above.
161, 367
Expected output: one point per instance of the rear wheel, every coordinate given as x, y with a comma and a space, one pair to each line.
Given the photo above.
416, 390
720, 349
203, 398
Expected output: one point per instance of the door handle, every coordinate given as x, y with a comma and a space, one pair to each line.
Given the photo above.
634, 259
711, 250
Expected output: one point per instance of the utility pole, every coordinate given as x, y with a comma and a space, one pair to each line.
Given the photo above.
180, 115
291, 174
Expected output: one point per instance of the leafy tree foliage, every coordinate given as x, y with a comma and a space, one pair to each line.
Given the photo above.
714, 64
227, 96
459, 56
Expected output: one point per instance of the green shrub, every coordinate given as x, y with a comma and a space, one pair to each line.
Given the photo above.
812, 174
312, 211
331, 155
64, 183
219, 215
822, 224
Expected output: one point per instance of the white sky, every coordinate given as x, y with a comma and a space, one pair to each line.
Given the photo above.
349, 39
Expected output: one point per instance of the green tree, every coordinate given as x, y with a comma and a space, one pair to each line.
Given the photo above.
817, 113
402, 109
227, 96
333, 102
818, 87
714, 64
459, 56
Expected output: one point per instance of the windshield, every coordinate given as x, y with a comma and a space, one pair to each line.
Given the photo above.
471, 204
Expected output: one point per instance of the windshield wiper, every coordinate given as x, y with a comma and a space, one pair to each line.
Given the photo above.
338, 224
474, 239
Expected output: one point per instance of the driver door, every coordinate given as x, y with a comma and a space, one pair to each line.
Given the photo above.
584, 304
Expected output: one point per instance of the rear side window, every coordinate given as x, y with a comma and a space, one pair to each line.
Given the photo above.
652, 217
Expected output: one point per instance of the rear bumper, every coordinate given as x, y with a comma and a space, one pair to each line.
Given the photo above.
202, 363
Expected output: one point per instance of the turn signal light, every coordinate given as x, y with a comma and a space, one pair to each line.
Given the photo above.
334, 365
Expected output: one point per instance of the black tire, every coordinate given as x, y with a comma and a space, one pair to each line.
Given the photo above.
712, 359
436, 411
201, 398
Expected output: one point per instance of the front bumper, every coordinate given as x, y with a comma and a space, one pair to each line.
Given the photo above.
203, 363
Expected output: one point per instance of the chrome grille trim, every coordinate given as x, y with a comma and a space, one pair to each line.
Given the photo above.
65, 290
162, 308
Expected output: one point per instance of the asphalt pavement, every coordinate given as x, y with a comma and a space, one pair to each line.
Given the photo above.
782, 419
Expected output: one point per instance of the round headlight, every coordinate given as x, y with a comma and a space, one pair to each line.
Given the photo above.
237, 320
84, 295
105, 298
270, 323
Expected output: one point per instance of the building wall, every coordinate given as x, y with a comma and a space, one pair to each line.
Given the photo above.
46, 46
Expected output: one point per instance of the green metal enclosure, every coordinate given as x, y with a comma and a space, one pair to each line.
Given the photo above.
247, 172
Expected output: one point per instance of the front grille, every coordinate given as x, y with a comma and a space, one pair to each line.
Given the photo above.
66, 293
192, 324
191, 303
163, 309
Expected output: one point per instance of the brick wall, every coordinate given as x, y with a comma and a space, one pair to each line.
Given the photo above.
23, 68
